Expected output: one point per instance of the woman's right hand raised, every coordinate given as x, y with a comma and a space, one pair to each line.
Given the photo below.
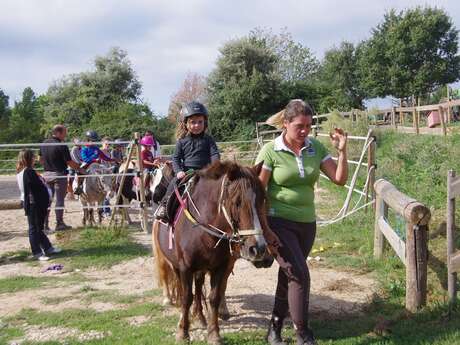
180, 175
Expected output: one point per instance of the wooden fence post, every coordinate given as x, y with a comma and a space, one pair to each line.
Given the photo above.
371, 166
393, 117
413, 252
122, 182
415, 121
443, 120
451, 274
381, 210
144, 220
416, 259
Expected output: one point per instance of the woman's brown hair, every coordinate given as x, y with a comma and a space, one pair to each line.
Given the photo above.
25, 159
294, 108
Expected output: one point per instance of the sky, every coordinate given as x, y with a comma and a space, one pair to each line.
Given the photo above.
43, 40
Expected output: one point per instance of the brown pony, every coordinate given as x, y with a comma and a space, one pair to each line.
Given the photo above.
225, 219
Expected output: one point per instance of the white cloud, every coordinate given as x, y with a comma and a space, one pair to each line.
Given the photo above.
42, 40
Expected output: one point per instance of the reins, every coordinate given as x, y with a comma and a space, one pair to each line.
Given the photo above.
210, 229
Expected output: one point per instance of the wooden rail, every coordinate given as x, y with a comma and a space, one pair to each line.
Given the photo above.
453, 255
397, 117
413, 252
10, 204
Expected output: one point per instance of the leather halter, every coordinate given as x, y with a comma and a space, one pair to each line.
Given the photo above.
211, 229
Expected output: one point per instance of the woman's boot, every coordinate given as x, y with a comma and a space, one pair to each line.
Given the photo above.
305, 337
274, 331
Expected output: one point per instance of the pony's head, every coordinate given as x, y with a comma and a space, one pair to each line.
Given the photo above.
241, 204
160, 180
106, 183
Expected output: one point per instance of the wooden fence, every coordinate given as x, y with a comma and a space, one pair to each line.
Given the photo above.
398, 117
453, 255
413, 252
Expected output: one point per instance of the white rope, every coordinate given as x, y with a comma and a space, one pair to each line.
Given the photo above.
93, 175
328, 222
92, 207
65, 144
342, 213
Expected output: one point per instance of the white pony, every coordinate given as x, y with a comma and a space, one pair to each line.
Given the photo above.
95, 190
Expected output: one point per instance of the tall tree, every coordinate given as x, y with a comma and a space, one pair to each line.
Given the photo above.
338, 74
192, 88
410, 53
5, 113
26, 118
295, 61
243, 88
75, 98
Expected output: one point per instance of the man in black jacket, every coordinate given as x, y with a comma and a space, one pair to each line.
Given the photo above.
55, 159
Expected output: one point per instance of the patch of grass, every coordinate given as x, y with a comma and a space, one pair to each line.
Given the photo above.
111, 296
8, 333
19, 283
98, 247
56, 300
14, 257
159, 329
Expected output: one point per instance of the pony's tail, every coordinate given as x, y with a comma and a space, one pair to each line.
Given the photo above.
166, 277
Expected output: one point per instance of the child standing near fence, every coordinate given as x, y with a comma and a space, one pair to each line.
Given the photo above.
35, 198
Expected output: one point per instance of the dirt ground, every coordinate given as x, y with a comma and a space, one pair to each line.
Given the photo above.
249, 294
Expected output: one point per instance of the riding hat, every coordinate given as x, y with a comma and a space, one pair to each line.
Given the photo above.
193, 108
147, 141
92, 135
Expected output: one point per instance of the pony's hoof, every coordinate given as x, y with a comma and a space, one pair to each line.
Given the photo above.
215, 340
224, 316
182, 337
166, 301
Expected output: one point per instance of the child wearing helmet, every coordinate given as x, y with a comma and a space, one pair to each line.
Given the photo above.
149, 161
194, 148
91, 153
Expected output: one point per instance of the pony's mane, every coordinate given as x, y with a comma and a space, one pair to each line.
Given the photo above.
240, 177
233, 170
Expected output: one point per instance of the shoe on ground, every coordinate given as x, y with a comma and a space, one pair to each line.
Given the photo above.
306, 337
48, 231
62, 227
53, 250
274, 332
41, 257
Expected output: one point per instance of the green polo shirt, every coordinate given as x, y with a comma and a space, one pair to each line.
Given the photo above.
291, 186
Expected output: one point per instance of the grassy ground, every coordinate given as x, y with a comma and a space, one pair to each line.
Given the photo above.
416, 165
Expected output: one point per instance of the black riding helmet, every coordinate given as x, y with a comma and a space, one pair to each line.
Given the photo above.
193, 108
92, 136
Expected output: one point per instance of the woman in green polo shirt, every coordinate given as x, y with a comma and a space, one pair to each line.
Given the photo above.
291, 166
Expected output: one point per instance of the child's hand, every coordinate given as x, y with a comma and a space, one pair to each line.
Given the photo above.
180, 175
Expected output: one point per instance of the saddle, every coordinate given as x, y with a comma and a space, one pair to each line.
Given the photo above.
172, 204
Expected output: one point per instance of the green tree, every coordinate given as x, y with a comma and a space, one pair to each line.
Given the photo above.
410, 53
75, 98
338, 74
5, 113
26, 118
243, 88
295, 62
126, 118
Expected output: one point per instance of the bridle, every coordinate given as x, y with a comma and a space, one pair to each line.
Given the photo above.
237, 234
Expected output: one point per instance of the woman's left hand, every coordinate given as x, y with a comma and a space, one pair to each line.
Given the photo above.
339, 139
